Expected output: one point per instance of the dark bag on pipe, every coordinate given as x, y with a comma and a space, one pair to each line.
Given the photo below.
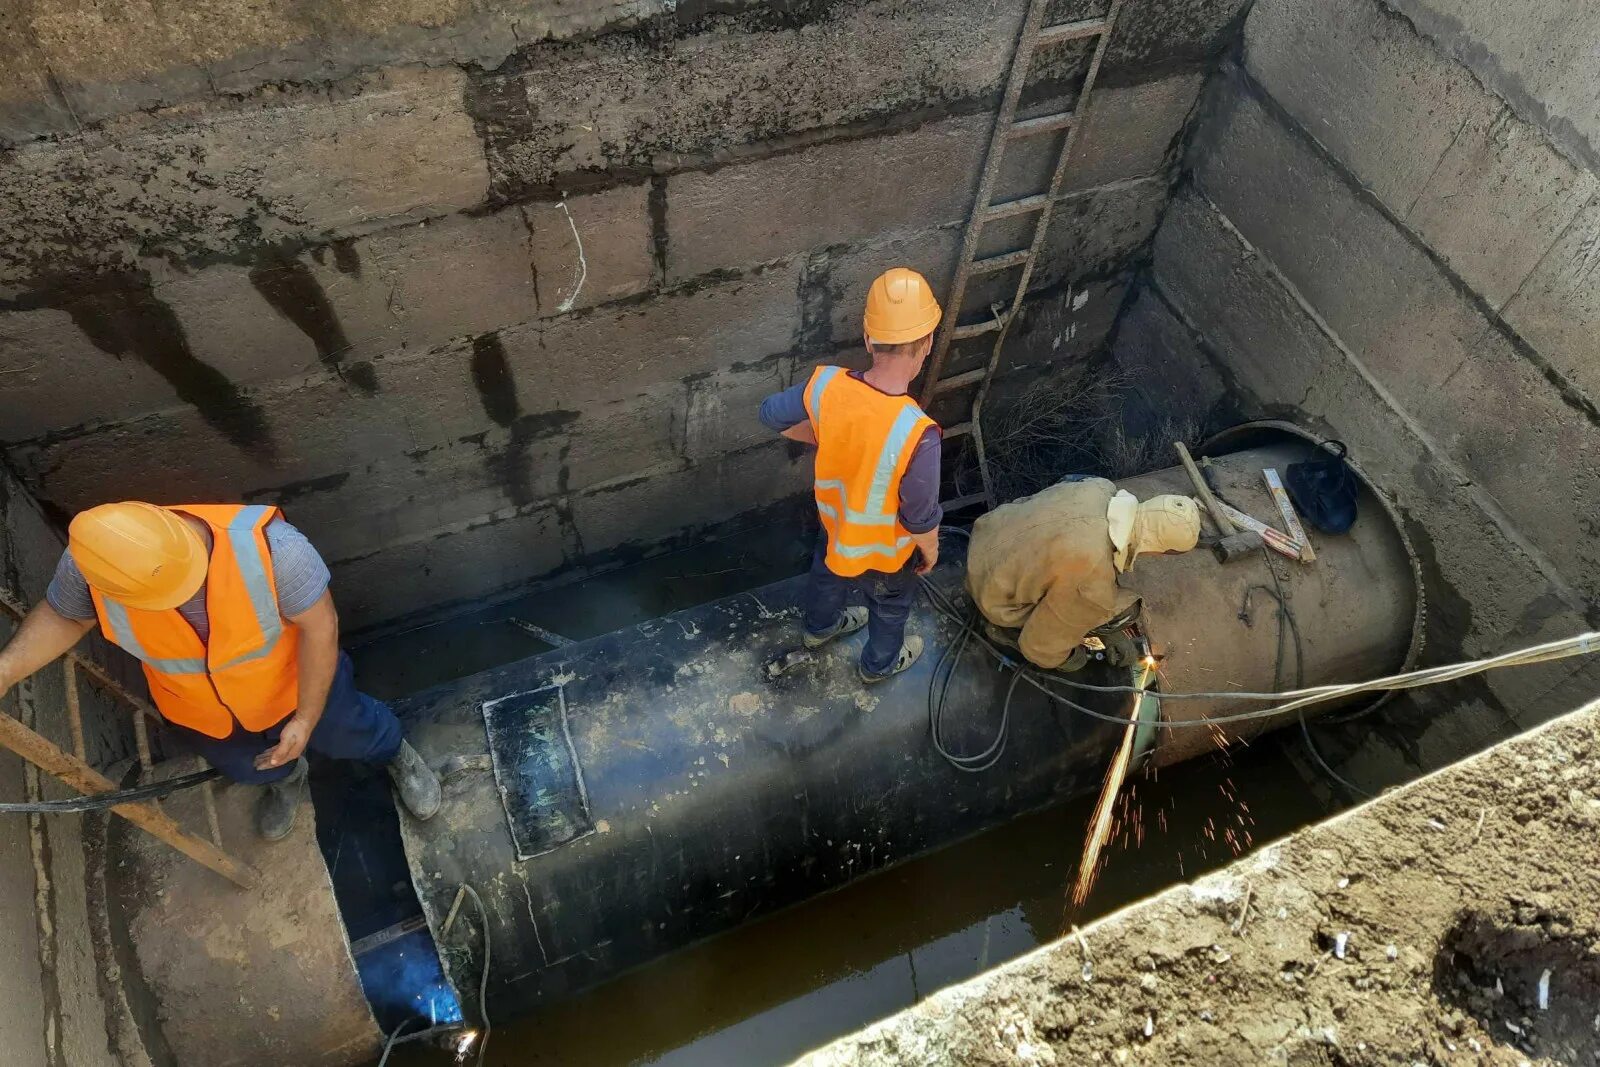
1324, 489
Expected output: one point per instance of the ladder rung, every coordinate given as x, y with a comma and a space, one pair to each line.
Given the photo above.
976, 329
1043, 124
960, 429
1001, 262
960, 381
1071, 31
963, 502
1020, 206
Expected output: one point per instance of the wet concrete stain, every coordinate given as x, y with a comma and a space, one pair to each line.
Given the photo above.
656, 204
818, 295
122, 316
292, 289
293, 491
533, 259
512, 466
491, 376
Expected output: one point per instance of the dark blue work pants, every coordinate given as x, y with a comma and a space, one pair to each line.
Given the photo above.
888, 595
353, 726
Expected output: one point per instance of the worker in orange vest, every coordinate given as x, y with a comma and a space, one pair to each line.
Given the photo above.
227, 607
876, 479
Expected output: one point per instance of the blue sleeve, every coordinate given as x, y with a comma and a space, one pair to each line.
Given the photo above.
297, 567
69, 591
783, 410
919, 486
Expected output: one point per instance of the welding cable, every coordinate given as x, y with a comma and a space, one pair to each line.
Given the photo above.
483, 981
1044, 681
102, 801
943, 671
394, 1035
1288, 625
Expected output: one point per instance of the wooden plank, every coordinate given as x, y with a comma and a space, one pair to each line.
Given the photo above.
85, 779
1072, 31
208, 799
1042, 124
74, 708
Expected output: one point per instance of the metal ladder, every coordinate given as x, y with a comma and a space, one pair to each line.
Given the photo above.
1007, 129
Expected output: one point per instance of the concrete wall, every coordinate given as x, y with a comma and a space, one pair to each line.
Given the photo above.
1386, 235
491, 294
59, 1004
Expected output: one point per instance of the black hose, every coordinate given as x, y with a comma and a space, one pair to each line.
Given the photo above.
102, 801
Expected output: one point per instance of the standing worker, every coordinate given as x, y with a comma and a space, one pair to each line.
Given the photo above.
877, 477
1048, 563
227, 607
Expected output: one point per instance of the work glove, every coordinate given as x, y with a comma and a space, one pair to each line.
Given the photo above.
1076, 659
1120, 650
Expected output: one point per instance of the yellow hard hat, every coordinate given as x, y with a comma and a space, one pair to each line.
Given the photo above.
137, 554
900, 308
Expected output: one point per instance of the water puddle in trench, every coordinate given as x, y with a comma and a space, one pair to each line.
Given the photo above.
767, 992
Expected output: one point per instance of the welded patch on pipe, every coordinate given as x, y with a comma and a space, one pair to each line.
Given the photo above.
536, 770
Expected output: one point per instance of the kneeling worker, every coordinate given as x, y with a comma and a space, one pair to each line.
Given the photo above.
877, 477
227, 606
1048, 563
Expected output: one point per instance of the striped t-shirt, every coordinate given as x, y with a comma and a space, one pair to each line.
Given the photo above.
297, 567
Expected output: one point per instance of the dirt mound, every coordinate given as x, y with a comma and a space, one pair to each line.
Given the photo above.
1453, 921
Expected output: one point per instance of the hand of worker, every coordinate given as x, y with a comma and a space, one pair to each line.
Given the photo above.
1076, 660
801, 432
290, 747
927, 556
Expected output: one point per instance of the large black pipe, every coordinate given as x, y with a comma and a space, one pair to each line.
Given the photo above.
665, 789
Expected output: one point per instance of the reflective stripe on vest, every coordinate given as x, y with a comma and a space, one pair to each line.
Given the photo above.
122, 634
888, 544
242, 536
814, 393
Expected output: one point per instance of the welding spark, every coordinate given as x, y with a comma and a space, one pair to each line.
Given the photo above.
1104, 819
464, 1045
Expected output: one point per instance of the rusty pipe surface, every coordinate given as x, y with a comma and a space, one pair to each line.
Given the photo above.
657, 785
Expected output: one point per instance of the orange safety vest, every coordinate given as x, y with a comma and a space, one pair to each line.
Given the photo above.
249, 668
865, 440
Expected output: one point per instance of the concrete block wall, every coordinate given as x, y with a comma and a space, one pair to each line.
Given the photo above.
59, 1003
493, 300
1387, 232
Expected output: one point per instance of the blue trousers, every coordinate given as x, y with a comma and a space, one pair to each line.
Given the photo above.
888, 595
353, 726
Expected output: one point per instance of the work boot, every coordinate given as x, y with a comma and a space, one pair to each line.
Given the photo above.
416, 783
279, 801
1000, 635
909, 651
849, 621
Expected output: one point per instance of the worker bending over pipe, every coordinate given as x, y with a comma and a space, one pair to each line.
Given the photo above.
227, 607
1047, 564
877, 477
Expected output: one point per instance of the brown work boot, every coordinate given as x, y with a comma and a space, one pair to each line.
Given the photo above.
279, 801
416, 783
909, 651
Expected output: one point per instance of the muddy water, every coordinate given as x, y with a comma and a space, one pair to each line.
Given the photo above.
767, 992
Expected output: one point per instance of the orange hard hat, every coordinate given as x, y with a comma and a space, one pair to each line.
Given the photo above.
900, 308
137, 554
